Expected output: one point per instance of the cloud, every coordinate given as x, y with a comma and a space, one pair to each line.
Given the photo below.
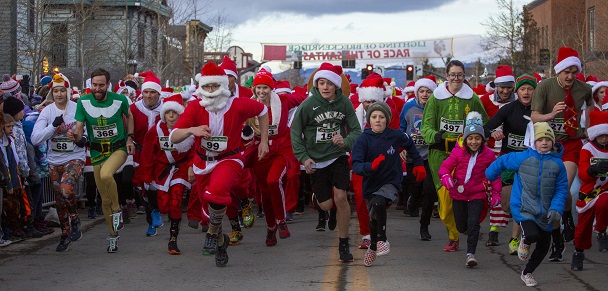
239, 11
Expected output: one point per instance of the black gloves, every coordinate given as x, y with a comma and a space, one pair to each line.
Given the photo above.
599, 168
438, 136
82, 142
58, 121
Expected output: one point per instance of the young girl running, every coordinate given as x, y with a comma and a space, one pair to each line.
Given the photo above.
462, 173
376, 158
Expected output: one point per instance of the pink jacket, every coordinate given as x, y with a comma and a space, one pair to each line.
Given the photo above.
458, 163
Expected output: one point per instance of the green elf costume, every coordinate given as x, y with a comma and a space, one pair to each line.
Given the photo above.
442, 123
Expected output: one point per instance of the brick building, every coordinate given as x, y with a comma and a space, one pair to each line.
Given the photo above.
579, 24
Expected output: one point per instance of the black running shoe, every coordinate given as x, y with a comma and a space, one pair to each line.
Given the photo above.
221, 256
210, 244
557, 252
64, 244
577, 261
345, 255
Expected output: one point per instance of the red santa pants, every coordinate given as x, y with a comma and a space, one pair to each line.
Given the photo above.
292, 184
239, 192
583, 233
270, 179
360, 204
215, 187
171, 201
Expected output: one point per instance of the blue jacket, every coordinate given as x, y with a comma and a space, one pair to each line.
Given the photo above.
389, 143
540, 184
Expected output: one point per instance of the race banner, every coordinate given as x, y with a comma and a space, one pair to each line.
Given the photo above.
435, 48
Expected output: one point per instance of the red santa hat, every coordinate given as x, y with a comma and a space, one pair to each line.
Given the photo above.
229, 67
580, 77
151, 81
538, 77
429, 82
567, 57
504, 74
75, 93
174, 102
282, 86
211, 73
166, 91
598, 124
480, 89
353, 88
398, 92
597, 86
263, 77
371, 90
591, 80
410, 87
329, 72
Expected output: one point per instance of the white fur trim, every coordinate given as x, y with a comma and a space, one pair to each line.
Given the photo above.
597, 86
232, 73
591, 83
597, 130
185, 145
410, 89
171, 105
275, 108
204, 80
329, 75
490, 87
282, 90
568, 62
504, 79
360, 113
424, 82
370, 94
151, 85
393, 84
247, 137
442, 92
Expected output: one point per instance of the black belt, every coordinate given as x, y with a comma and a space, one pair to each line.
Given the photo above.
218, 157
444, 145
168, 167
106, 147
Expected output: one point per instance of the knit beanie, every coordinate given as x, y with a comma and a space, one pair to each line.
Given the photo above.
9, 85
12, 106
525, 79
474, 125
542, 129
379, 106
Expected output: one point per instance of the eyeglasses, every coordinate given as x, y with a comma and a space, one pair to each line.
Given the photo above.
211, 86
454, 76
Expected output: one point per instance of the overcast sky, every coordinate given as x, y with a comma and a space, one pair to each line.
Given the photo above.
356, 21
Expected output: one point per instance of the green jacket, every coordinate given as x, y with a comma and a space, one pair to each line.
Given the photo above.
315, 123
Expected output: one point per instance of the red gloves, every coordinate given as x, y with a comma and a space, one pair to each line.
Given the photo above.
377, 162
419, 173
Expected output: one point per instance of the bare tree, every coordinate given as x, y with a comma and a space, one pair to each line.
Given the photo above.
220, 38
503, 31
32, 38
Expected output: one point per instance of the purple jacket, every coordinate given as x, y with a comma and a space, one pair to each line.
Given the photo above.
458, 162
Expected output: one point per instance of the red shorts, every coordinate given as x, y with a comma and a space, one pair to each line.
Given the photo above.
572, 150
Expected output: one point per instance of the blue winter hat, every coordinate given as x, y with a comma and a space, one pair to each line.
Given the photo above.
45, 80
474, 125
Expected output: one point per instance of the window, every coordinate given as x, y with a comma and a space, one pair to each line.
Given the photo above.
591, 25
141, 41
59, 46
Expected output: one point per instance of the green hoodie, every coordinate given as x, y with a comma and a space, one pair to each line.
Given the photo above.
315, 123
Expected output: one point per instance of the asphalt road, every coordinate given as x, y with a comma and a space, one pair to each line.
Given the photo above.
308, 260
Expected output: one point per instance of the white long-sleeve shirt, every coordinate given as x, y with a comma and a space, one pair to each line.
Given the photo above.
60, 149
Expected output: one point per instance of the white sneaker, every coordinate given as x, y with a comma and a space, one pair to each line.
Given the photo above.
5, 242
383, 248
523, 250
471, 261
528, 279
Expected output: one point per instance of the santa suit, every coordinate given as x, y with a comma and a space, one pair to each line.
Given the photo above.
166, 169
595, 206
219, 172
143, 120
242, 91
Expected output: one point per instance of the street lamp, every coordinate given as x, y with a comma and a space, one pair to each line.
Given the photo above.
132, 66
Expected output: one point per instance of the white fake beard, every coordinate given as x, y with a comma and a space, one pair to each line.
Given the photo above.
213, 101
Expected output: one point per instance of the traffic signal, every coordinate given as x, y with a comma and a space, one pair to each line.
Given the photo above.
297, 65
366, 71
409, 72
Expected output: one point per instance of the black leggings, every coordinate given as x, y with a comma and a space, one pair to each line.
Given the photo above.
424, 192
90, 189
532, 233
466, 215
124, 183
377, 219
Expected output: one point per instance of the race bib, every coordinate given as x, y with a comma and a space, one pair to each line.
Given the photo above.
515, 142
273, 130
61, 144
165, 144
557, 124
451, 126
325, 135
105, 131
594, 161
216, 144
418, 140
